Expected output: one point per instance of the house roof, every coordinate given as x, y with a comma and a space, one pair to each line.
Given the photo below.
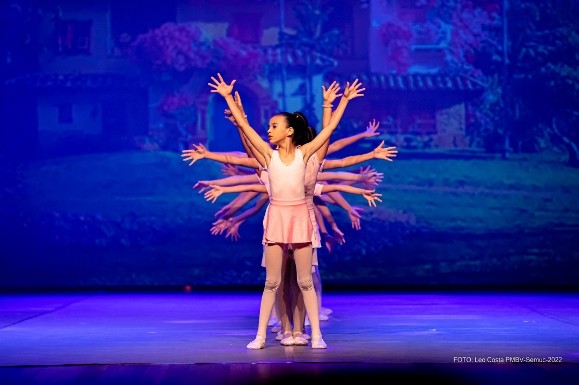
295, 58
68, 80
413, 82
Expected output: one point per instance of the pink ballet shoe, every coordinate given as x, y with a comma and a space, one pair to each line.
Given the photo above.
326, 311
318, 342
257, 343
288, 339
299, 339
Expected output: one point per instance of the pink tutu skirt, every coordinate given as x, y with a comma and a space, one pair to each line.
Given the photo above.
287, 223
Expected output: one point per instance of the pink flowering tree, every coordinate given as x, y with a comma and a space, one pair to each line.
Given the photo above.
172, 48
397, 36
174, 55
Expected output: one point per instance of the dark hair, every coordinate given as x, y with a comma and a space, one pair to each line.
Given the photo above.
299, 123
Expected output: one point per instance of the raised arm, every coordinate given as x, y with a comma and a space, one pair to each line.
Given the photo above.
368, 133
352, 91
249, 148
329, 95
219, 86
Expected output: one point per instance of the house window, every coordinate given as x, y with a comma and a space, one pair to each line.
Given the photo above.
73, 37
65, 113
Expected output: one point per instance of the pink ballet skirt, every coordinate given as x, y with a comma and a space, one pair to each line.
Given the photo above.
286, 222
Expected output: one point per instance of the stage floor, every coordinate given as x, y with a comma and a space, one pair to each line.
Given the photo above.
200, 338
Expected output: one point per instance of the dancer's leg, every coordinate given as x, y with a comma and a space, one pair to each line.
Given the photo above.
318, 286
273, 266
303, 259
283, 299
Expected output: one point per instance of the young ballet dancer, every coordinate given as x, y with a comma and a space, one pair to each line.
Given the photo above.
287, 222
313, 168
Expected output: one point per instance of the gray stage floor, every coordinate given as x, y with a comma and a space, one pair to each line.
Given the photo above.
195, 338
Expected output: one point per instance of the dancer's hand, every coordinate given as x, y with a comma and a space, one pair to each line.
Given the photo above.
233, 231
355, 219
370, 177
193, 155
202, 185
213, 193
372, 197
385, 153
330, 242
220, 86
229, 116
331, 93
353, 90
220, 226
371, 129
230, 170
358, 210
338, 234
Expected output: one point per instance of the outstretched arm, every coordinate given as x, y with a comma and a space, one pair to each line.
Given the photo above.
235, 222
327, 214
353, 214
200, 152
341, 143
369, 195
229, 181
215, 191
237, 203
219, 86
379, 152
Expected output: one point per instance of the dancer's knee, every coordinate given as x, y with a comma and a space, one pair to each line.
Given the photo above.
272, 285
306, 284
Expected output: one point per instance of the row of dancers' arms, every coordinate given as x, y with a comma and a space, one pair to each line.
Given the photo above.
241, 172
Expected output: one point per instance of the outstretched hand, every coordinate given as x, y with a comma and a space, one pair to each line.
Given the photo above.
193, 155
220, 86
201, 185
213, 193
370, 177
233, 231
353, 90
385, 153
372, 197
338, 234
371, 129
219, 226
331, 93
230, 170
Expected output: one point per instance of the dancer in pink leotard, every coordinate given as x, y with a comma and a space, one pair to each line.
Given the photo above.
287, 221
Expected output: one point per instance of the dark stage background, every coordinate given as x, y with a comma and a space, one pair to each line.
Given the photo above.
99, 99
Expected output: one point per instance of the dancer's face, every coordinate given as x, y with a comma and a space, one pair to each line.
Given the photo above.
278, 129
